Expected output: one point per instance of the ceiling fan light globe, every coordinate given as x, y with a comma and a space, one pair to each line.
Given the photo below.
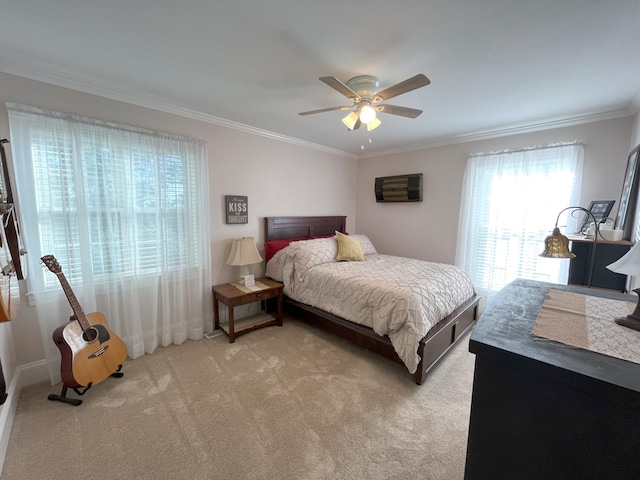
350, 120
367, 114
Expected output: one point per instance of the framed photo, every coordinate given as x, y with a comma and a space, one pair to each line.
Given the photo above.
600, 210
237, 209
628, 197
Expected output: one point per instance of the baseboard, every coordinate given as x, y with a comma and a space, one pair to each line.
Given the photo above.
32, 373
24, 375
7, 414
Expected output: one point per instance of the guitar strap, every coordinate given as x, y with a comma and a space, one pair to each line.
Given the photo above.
5, 174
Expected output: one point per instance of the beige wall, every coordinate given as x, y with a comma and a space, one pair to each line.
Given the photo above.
279, 178
428, 229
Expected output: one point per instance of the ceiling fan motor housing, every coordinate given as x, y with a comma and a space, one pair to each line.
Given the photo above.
364, 85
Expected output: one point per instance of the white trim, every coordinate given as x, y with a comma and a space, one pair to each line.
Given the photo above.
32, 373
506, 131
635, 104
7, 414
25, 375
136, 98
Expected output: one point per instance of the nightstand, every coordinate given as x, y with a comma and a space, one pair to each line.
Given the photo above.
232, 296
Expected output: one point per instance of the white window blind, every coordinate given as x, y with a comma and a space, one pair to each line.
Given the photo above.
125, 212
125, 193
510, 204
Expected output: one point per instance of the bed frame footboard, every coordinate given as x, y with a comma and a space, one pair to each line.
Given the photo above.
431, 350
444, 336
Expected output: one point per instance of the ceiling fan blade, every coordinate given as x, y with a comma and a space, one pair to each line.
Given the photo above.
336, 84
403, 87
396, 110
322, 110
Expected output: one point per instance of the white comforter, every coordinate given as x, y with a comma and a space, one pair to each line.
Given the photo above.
395, 296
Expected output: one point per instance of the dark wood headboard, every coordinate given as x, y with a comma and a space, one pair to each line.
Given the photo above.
281, 228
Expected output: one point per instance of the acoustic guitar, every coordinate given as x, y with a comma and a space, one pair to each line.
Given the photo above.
9, 289
90, 351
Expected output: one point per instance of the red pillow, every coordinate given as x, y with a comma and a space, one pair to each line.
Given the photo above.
274, 246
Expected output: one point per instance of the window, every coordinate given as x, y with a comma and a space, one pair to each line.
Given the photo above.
126, 194
125, 212
510, 204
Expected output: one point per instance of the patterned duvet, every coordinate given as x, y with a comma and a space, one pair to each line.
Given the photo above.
395, 296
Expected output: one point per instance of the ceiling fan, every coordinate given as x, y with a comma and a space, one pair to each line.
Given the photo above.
362, 91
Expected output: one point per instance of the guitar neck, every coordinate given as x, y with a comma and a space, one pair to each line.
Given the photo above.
73, 301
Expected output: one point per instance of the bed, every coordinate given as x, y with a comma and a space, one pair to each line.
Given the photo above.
288, 237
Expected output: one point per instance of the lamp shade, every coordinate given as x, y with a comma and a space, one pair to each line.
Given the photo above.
373, 124
243, 252
629, 264
556, 245
350, 120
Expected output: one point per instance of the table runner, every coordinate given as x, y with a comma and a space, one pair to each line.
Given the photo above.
587, 322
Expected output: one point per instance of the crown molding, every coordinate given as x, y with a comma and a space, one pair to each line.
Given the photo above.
507, 131
114, 92
143, 100
635, 104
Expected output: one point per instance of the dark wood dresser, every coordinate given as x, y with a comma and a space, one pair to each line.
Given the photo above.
543, 410
606, 253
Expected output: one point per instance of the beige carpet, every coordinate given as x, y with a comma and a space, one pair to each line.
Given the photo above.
289, 402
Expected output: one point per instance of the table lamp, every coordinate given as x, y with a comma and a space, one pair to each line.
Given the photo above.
243, 254
629, 264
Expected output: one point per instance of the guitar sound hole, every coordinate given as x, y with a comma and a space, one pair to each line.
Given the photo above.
90, 335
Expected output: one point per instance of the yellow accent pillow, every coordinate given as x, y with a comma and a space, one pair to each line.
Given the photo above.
349, 249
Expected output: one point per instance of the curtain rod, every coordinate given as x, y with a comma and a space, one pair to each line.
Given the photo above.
526, 149
70, 117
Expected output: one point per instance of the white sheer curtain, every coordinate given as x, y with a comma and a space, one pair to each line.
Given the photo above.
509, 205
125, 212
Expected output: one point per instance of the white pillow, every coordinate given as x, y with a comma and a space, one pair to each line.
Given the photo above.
367, 246
309, 253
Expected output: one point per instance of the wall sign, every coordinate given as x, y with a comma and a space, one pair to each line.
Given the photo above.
237, 208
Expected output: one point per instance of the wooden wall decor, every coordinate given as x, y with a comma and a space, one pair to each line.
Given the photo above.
399, 188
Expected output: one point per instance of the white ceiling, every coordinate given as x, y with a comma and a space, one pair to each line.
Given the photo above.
496, 66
